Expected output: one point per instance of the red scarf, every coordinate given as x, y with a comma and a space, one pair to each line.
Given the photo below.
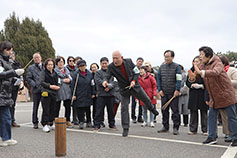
63, 71
226, 68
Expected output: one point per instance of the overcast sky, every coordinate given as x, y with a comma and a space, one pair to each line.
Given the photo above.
95, 28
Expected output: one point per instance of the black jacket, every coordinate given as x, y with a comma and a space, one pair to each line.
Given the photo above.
196, 96
132, 73
33, 77
47, 79
84, 89
6, 75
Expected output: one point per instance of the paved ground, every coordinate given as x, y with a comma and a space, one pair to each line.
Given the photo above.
142, 142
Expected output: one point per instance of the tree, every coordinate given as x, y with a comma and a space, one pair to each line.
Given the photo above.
232, 56
28, 37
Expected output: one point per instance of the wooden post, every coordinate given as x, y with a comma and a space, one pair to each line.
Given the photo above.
60, 136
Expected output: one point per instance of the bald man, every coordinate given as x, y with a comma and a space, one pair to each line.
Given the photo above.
127, 75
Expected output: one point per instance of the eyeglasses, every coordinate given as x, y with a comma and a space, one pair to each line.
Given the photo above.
71, 60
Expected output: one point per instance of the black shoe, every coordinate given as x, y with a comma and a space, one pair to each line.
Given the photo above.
36, 126
163, 130
134, 121
125, 132
175, 131
234, 143
81, 125
210, 141
140, 120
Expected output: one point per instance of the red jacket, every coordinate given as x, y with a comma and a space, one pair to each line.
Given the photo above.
149, 85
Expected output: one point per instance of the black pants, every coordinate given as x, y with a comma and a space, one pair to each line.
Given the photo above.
99, 116
81, 111
36, 101
14, 97
193, 125
175, 112
74, 115
48, 104
67, 106
134, 109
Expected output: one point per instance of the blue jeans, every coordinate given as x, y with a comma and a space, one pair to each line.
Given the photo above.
5, 123
232, 120
144, 113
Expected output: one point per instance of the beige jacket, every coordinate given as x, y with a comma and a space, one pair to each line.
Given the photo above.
232, 74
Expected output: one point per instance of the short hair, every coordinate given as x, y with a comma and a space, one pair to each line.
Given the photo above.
140, 58
78, 58
47, 61
6, 45
207, 51
171, 52
144, 67
94, 64
58, 59
224, 60
70, 58
196, 57
104, 59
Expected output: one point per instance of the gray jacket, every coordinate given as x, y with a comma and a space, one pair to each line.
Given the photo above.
33, 77
6, 75
64, 92
99, 78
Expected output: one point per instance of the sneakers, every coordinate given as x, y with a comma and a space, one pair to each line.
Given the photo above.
210, 141
152, 124
191, 133
234, 143
81, 125
228, 138
163, 130
205, 133
46, 129
9, 142
88, 125
175, 131
144, 124
134, 121
52, 127
125, 132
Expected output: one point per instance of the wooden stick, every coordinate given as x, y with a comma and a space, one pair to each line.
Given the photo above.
75, 87
28, 64
167, 103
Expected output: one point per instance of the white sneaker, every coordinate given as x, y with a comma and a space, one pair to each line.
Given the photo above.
52, 127
46, 129
144, 124
3, 143
10, 142
152, 124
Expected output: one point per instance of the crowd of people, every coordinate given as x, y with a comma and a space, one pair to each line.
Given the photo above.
210, 84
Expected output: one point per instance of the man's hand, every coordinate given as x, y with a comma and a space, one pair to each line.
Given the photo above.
176, 93
74, 98
93, 96
154, 97
107, 89
105, 84
161, 93
132, 84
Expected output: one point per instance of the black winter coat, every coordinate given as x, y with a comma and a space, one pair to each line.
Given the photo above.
84, 90
6, 75
196, 96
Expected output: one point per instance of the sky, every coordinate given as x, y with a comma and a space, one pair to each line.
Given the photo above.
137, 28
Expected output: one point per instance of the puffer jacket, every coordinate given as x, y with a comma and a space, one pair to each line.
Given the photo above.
6, 76
218, 84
